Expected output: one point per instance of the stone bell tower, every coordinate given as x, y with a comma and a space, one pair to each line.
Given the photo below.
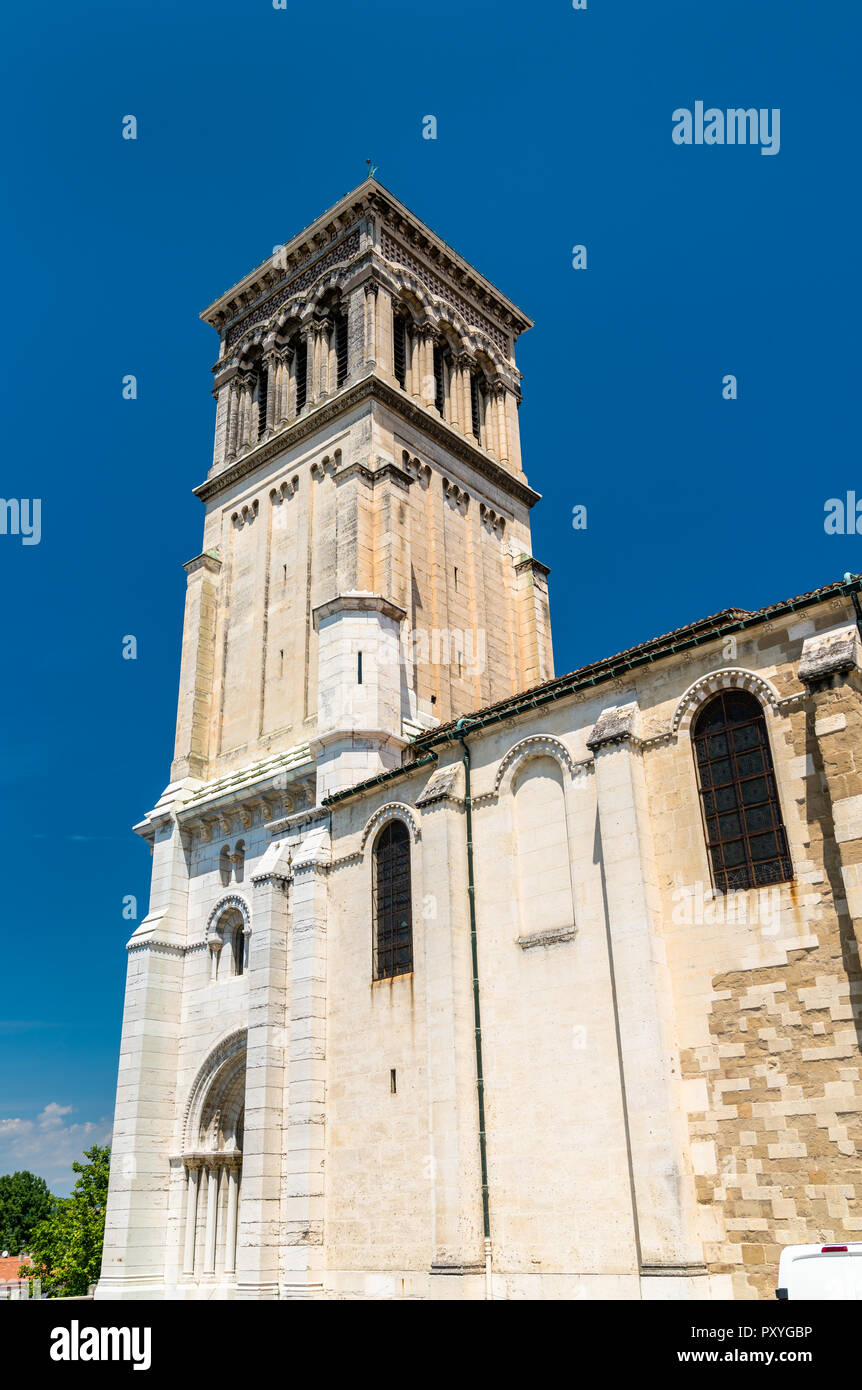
366, 572
366, 567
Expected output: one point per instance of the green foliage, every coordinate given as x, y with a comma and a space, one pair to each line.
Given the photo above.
25, 1201
67, 1248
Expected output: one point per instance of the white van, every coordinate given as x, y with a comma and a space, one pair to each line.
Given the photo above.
821, 1271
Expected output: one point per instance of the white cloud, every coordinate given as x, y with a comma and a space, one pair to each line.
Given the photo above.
49, 1144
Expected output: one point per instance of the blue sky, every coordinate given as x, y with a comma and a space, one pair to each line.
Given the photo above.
554, 129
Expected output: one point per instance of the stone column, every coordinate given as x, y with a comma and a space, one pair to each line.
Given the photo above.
233, 419
312, 366
272, 365
513, 438
427, 368
212, 1165
261, 1218
233, 1167
413, 354
465, 416
193, 1168
663, 1183
501, 444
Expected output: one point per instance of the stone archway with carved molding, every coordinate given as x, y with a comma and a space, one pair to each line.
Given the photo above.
726, 678
536, 746
230, 902
224, 1058
428, 310
393, 810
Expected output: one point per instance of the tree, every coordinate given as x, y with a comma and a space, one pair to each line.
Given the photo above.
66, 1249
25, 1201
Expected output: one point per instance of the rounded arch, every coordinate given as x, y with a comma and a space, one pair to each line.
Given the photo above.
231, 902
537, 746
412, 297
393, 810
727, 678
214, 1110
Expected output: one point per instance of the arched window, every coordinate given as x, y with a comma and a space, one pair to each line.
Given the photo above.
224, 865
393, 928
745, 834
239, 860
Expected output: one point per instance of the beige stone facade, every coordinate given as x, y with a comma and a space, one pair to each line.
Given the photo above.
670, 1073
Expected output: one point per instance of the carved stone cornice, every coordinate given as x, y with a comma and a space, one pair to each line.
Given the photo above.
371, 388
353, 228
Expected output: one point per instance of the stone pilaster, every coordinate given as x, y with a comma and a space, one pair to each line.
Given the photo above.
456, 1206
260, 1217
191, 748
133, 1261
663, 1183
534, 621
830, 671
305, 1140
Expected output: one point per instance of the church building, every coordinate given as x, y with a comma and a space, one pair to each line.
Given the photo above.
459, 979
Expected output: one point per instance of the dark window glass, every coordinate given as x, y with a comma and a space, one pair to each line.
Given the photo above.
238, 945
745, 834
341, 348
439, 380
399, 343
301, 375
476, 406
393, 930
262, 392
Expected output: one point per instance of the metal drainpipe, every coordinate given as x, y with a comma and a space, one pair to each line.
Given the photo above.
460, 726
848, 578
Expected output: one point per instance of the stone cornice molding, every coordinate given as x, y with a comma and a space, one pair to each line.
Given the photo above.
208, 560
372, 388
614, 727
829, 654
357, 601
725, 678
360, 216
393, 810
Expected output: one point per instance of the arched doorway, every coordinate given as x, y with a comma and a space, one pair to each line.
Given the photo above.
212, 1157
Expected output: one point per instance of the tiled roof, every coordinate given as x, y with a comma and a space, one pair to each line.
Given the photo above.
681, 638
9, 1266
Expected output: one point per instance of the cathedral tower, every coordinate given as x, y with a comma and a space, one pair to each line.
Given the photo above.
366, 568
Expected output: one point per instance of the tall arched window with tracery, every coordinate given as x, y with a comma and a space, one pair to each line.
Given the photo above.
742, 819
392, 906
